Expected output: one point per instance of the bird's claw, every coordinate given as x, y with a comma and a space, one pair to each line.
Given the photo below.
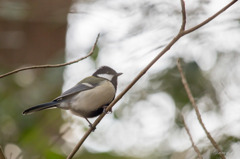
92, 127
105, 110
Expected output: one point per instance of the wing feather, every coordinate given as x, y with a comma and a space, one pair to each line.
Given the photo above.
85, 84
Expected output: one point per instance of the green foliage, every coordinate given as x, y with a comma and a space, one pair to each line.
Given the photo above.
30, 133
215, 156
94, 56
170, 82
89, 155
53, 155
227, 141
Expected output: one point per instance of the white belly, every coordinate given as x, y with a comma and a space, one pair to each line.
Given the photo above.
93, 99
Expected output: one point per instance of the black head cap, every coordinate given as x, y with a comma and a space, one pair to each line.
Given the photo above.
105, 70
108, 73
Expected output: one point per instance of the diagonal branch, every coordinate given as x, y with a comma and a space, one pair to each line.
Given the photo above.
190, 137
54, 65
169, 45
190, 96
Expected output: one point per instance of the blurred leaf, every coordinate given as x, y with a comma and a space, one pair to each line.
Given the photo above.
215, 156
227, 141
170, 82
94, 56
33, 132
89, 155
179, 120
53, 155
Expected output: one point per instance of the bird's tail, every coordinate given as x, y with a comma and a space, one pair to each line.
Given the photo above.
41, 107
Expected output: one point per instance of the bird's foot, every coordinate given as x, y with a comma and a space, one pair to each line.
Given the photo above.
91, 125
105, 110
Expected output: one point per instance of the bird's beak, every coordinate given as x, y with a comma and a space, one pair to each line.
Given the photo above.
118, 74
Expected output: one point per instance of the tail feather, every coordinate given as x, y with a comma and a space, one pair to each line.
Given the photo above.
41, 107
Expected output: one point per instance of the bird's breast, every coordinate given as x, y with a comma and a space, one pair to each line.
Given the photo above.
90, 100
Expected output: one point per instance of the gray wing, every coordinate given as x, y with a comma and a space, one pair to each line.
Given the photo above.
74, 90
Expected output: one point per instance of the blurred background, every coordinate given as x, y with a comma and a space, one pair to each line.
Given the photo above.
146, 122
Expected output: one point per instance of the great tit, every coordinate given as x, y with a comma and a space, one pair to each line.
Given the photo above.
88, 98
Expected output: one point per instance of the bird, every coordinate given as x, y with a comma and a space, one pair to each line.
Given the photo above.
88, 98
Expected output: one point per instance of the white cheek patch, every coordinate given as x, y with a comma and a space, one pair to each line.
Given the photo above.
107, 76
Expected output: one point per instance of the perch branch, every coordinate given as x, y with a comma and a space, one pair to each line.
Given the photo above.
190, 96
54, 65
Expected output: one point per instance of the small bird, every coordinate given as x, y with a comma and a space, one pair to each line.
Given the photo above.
88, 98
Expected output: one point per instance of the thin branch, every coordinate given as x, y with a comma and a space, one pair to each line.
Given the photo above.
190, 96
54, 65
169, 45
184, 17
210, 18
190, 137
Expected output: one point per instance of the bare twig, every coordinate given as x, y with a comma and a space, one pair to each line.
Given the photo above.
54, 65
190, 96
210, 18
184, 17
169, 45
190, 137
